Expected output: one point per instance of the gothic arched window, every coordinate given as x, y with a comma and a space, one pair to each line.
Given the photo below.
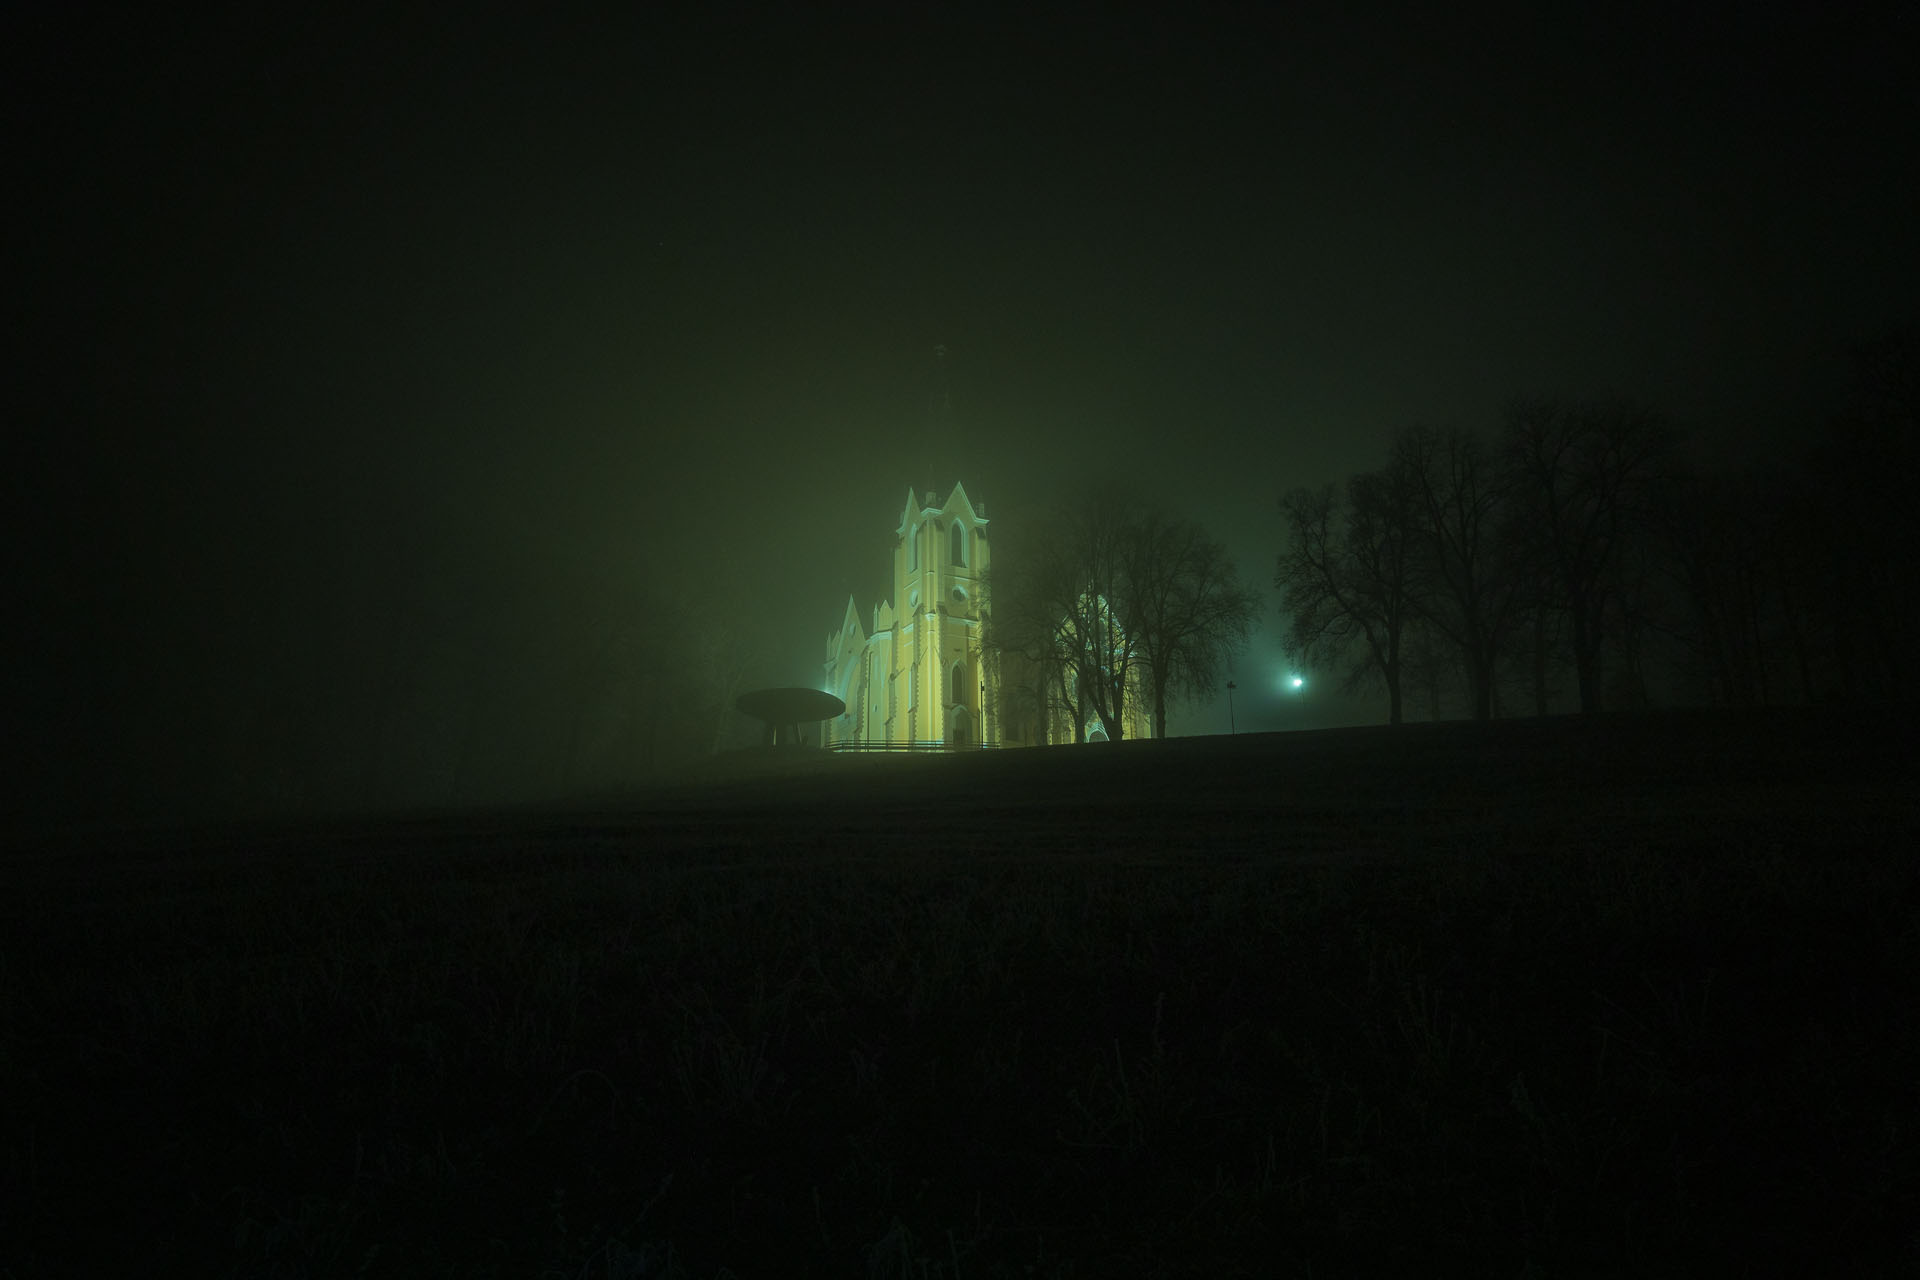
959, 683
959, 543
913, 553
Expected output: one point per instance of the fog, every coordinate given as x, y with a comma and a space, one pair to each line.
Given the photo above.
414, 415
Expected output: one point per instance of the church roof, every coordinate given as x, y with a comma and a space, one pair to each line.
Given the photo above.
849, 636
958, 498
957, 503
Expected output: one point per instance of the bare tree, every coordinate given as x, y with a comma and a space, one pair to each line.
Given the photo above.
1098, 645
1583, 475
1186, 608
1348, 577
1034, 586
1108, 601
1472, 581
1713, 542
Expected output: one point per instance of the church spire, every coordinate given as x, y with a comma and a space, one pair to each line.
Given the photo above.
936, 447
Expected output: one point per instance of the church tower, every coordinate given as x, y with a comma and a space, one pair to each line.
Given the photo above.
939, 435
940, 557
920, 677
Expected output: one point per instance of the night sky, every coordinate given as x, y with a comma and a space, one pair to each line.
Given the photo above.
318, 319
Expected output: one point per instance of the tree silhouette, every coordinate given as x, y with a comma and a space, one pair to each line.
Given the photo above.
1719, 545
1187, 609
1348, 576
1472, 579
1109, 600
1583, 475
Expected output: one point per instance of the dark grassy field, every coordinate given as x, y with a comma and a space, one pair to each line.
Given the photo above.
1630, 997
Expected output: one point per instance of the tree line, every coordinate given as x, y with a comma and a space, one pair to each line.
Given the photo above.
1583, 547
1105, 603
1578, 553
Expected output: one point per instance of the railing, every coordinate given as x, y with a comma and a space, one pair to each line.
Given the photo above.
879, 744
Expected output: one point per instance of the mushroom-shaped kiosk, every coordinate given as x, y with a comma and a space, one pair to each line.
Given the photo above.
783, 711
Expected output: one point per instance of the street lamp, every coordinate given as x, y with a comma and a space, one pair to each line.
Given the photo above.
1231, 686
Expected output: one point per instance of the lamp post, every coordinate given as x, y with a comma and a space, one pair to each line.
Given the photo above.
1231, 729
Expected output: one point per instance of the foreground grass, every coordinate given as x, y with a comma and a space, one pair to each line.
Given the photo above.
1551, 1030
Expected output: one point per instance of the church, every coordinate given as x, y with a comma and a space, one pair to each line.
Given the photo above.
918, 675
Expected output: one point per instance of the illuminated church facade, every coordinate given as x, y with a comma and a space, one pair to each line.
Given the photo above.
918, 677
919, 674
